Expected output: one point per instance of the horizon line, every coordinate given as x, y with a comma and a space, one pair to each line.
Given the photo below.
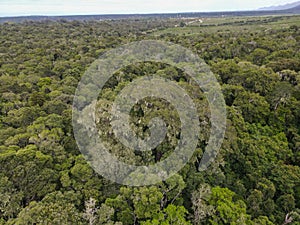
137, 13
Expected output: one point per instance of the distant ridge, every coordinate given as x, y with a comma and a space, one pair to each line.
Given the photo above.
281, 7
289, 11
295, 10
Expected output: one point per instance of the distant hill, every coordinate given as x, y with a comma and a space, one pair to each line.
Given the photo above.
294, 10
281, 7
291, 10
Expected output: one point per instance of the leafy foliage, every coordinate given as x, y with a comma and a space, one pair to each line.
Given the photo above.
256, 176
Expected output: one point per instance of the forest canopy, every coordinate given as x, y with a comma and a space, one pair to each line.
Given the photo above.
255, 179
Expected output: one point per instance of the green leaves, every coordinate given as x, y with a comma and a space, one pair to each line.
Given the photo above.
170, 215
254, 108
44, 180
53, 209
10, 199
227, 210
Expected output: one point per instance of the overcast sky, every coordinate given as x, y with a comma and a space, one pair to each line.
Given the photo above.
67, 7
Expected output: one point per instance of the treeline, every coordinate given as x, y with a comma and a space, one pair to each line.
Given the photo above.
44, 179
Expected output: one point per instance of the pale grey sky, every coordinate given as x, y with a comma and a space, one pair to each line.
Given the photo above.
71, 7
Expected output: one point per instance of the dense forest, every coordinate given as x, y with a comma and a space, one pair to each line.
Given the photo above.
255, 179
